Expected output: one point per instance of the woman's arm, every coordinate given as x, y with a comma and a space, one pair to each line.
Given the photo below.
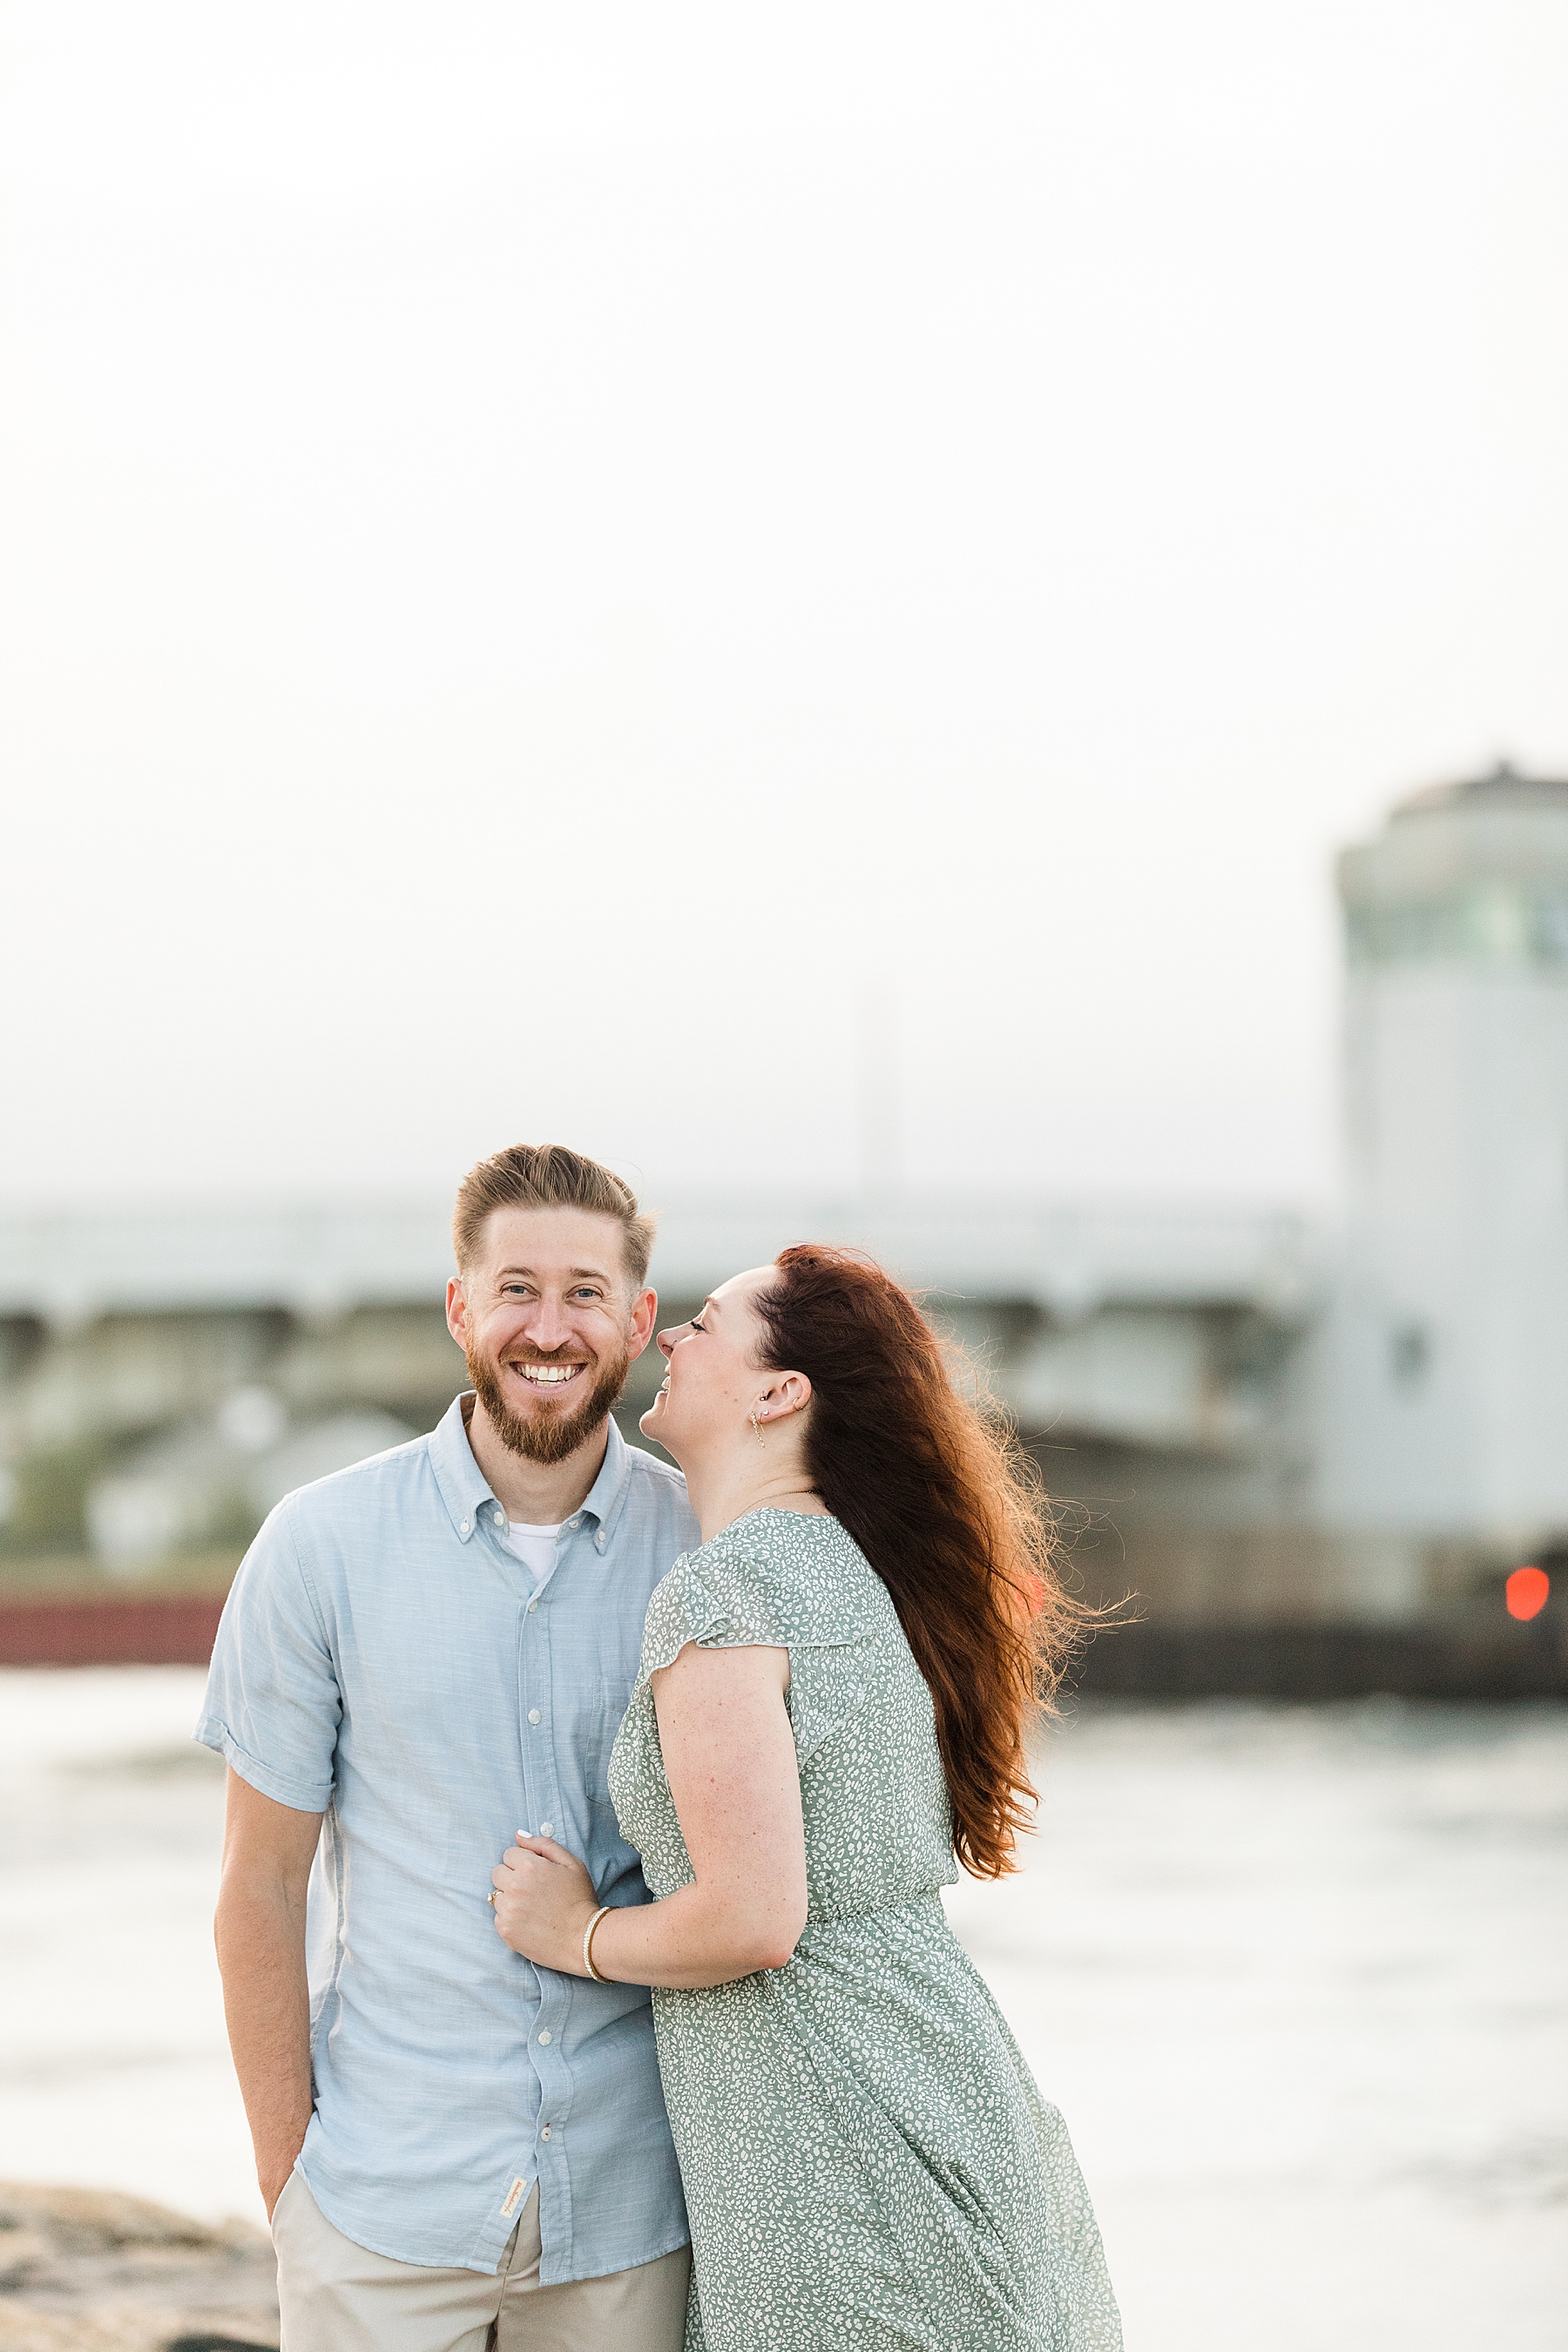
729, 1754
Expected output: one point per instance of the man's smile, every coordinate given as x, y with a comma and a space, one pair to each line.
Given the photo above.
548, 1376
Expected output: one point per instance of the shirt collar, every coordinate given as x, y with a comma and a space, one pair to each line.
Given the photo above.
464, 1488
607, 1493
463, 1485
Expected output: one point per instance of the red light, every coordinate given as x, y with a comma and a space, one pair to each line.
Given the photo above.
1527, 1590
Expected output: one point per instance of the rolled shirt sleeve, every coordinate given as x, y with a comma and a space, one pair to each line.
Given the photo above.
273, 1703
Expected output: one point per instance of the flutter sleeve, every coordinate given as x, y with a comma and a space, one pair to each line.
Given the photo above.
738, 1592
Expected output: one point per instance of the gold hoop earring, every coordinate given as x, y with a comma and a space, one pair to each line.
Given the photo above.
757, 1432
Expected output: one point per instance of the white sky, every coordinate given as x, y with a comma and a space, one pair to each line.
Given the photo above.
551, 553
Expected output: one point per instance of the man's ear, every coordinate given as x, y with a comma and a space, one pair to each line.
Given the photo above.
645, 1315
458, 1311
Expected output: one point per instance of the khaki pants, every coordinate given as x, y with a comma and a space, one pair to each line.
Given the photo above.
336, 2296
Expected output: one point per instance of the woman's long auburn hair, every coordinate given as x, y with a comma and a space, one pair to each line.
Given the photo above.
950, 1513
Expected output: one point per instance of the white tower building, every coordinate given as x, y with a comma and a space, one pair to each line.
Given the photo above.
1443, 1410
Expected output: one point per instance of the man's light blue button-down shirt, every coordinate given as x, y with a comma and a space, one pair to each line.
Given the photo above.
383, 1660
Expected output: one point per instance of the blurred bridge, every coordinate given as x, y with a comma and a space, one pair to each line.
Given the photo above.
170, 1345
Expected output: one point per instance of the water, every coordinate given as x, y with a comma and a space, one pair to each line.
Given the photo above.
1296, 1977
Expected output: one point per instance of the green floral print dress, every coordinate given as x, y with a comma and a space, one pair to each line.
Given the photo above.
869, 2165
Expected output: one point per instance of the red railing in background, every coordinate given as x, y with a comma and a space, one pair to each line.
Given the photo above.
154, 1629
1494, 1659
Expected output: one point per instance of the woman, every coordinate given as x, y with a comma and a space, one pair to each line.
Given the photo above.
833, 1702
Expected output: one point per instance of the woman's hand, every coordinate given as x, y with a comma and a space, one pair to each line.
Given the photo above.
543, 1901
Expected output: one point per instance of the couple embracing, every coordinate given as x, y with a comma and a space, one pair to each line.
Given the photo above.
622, 2014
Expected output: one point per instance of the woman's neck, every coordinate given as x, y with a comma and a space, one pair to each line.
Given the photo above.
724, 1491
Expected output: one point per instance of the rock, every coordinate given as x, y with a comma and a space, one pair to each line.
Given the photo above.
91, 2269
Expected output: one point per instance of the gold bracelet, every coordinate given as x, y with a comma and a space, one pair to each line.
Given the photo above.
588, 1945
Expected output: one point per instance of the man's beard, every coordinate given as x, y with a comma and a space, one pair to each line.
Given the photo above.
552, 1439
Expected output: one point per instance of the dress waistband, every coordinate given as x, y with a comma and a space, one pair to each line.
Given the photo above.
905, 1904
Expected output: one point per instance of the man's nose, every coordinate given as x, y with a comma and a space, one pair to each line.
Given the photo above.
549, 1326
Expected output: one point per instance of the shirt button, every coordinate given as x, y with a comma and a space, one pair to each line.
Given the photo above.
544, 2132
532, 1607
463, 1529
547, 1829
547, 2035
600, 1541
533, 1715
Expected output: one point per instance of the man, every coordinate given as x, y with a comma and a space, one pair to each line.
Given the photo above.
427, 1653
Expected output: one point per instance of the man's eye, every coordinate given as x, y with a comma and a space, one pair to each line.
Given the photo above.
585, 1294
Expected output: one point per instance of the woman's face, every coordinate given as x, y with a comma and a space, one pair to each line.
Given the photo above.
715, 1381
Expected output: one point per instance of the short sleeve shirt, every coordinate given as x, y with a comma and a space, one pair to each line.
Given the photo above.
384, 1660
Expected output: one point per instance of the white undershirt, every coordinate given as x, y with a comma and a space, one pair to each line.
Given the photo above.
535, 1547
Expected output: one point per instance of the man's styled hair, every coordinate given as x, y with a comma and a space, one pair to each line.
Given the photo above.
549, 1176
